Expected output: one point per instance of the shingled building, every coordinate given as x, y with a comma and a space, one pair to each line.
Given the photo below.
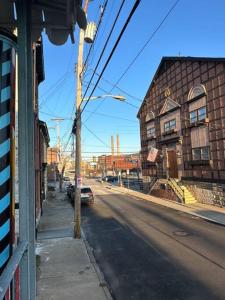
182, 118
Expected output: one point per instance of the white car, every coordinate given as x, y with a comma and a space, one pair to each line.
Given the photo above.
86, 195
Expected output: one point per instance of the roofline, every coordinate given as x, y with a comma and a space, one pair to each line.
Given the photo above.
44, 127
178, 58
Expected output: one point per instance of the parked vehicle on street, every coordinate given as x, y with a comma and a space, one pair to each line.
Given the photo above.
69, 190
110, 178
86, 194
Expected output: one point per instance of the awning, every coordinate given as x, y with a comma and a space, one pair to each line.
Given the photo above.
57, 17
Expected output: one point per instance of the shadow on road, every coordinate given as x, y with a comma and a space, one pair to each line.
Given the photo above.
142, 265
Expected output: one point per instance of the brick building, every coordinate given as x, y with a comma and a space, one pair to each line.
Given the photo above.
183, 117
119, 162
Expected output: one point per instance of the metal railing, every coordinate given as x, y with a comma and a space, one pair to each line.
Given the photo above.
7, 275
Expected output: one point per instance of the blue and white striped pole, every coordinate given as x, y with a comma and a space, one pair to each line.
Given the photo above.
5, 180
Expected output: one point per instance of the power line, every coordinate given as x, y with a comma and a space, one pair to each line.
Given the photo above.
120, 89
55, 88
98, 138
147, 42
103, 8
100, 103
115, 85
89, 111
106, 43
137, 2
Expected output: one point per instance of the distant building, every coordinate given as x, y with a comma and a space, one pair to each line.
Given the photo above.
53, 162
53, 155
182, 119
116, 163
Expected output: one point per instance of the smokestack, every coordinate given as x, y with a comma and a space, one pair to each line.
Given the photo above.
118, 144
112, 145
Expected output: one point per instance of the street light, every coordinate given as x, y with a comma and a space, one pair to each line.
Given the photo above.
116, 97
78, 180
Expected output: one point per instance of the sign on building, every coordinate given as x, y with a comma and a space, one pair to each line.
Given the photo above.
152, 154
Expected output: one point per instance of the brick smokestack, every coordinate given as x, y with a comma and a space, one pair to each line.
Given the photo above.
112, 145
118, 144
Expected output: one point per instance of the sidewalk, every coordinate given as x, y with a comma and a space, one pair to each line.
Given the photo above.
207, 212
64, 268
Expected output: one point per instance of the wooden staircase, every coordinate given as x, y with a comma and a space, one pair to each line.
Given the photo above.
188, 197
181, 191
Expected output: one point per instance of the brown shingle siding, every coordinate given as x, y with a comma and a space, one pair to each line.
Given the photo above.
180, 75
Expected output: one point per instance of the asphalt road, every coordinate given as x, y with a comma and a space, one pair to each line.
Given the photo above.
146, 251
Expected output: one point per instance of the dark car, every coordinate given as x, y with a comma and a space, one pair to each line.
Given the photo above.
70, 190
111, 178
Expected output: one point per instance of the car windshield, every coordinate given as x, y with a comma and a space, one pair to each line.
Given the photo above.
86, 190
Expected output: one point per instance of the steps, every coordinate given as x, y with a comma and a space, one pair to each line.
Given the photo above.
188, 197
181, 191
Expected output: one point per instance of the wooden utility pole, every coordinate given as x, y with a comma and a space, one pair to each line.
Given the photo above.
77, 202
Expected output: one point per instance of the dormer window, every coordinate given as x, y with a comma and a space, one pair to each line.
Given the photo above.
170, 125
198, 115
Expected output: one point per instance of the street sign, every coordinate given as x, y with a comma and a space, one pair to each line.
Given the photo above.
79, 182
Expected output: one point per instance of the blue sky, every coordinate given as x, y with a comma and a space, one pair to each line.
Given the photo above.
194, 28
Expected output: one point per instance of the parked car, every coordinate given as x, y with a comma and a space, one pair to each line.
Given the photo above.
70, 190
86, 194
110, 178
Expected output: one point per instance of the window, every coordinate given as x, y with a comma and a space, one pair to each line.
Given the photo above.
170, 125
198, 114
200, 153
150, 131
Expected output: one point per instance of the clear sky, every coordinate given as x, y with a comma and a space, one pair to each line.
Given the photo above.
194, 28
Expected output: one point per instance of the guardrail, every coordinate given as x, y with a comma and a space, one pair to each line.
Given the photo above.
12, 265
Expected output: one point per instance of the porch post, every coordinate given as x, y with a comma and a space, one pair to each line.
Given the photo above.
26, 151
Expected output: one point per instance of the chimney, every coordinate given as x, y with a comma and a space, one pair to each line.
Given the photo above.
112, 145
118, 144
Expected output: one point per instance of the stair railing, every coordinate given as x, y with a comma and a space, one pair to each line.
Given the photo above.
177, 189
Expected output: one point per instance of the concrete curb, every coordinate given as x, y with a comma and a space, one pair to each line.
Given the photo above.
100, 275
164, 205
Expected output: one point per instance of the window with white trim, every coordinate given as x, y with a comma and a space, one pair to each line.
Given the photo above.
200, 143
201, 153
170, 125
150, 130
198, 114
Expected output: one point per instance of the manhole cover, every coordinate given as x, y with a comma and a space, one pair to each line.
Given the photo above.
181, 233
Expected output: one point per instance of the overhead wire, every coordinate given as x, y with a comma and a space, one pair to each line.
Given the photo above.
135, 6
147, 42
103, 8
115, 85
89, 111
98, 40
98, 138
105, 45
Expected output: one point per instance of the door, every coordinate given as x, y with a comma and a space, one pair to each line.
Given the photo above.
172, 163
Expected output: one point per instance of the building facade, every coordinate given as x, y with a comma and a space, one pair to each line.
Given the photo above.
116, 163
183, 117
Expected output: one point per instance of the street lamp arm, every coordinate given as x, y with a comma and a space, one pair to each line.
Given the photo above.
116, 97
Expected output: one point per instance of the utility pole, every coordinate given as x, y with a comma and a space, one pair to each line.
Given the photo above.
58, 120
77, 202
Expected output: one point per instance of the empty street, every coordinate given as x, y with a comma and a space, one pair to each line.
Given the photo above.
147, 251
